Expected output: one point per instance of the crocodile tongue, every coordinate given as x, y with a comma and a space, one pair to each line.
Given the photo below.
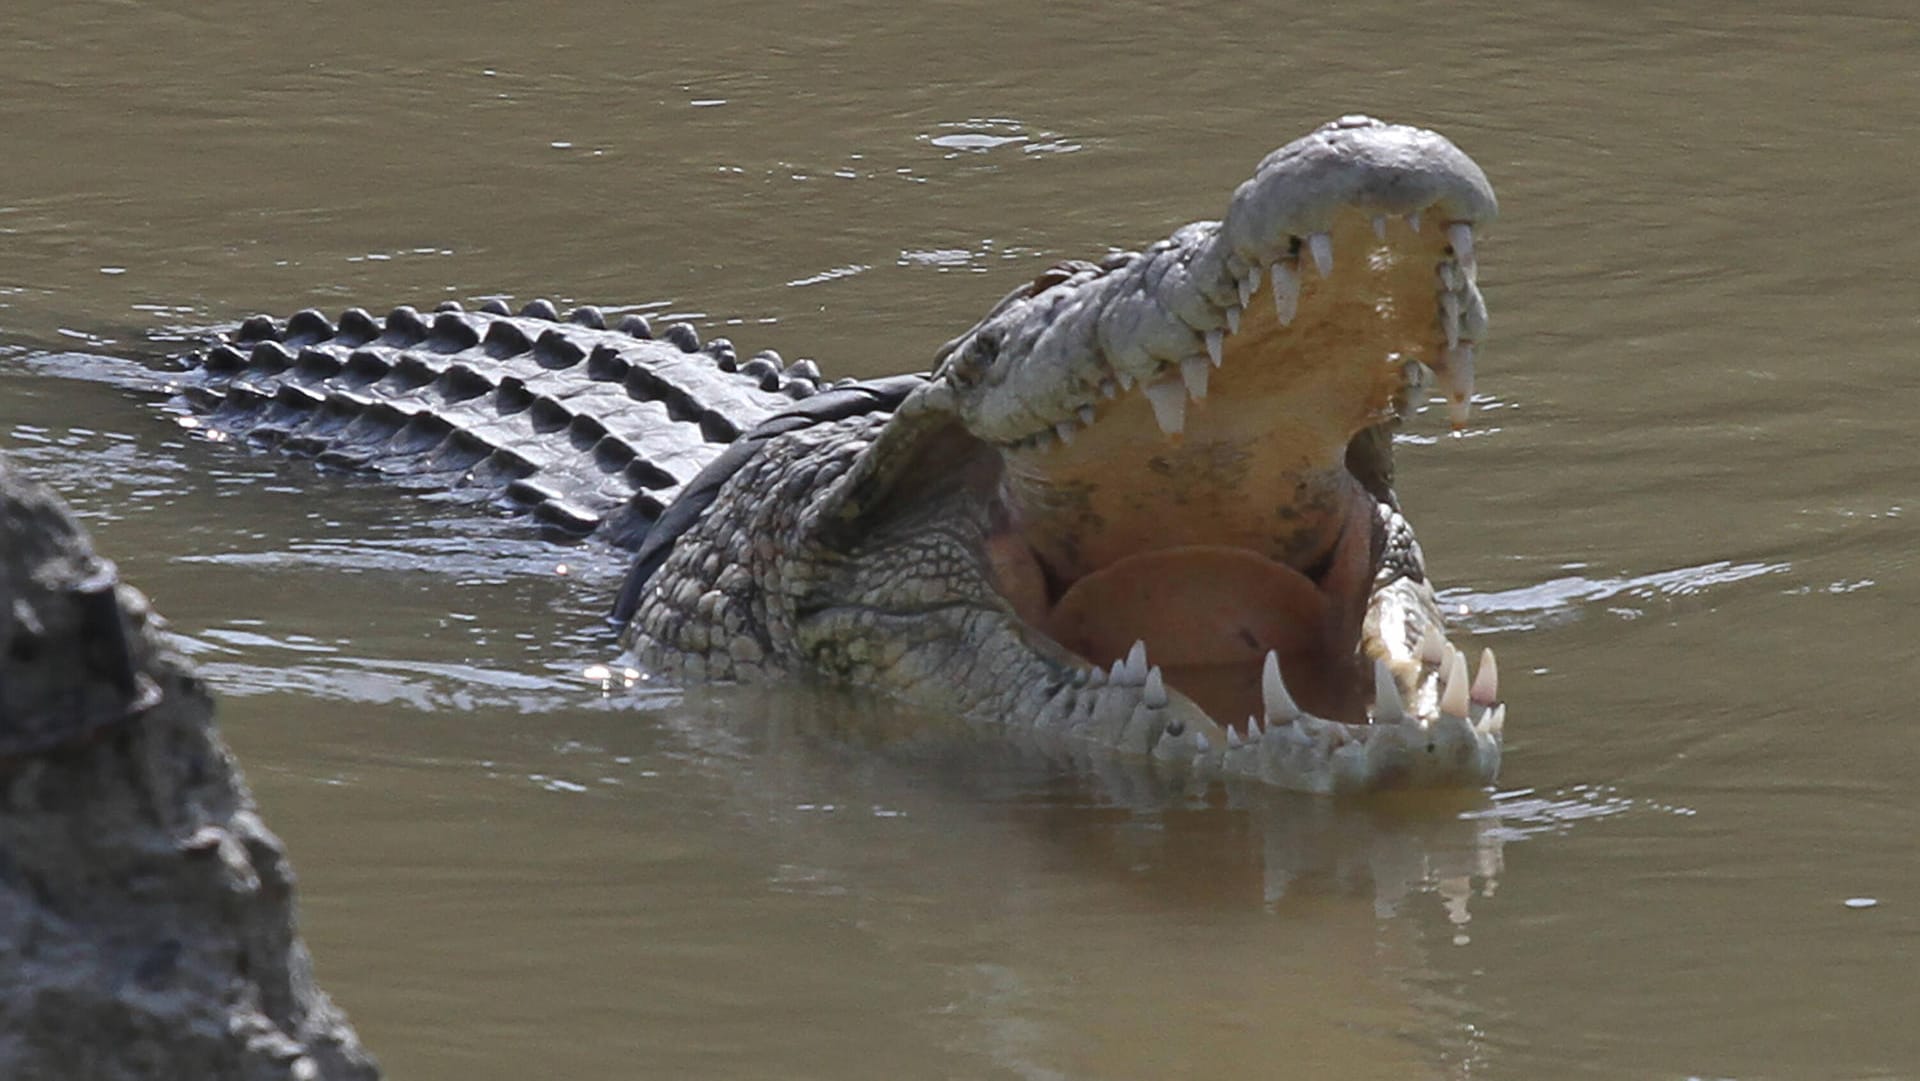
1209, 614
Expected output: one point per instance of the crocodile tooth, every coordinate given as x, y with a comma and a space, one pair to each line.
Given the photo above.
1456, 376
1493, 722
1085, 413
1109, 388
1321, 245
1380, 226
1137, 661
1064, 430
1233, 738
1286, 292
1433, 648
1413, 221
1275, 701
1460, 235
1486, 682
1126, 379
1247, 286
1254, 731
1214, 340
1387, 707
1119, 673
1169, 401
1453, 700
1193, 372
1200, 742
1154, 694
1233, 319
1450, 317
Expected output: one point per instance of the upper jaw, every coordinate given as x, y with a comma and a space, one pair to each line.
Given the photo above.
1028, 372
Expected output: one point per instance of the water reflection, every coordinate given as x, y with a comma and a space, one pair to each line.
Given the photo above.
799, 754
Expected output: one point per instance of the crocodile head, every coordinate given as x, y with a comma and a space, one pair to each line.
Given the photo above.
1180, 463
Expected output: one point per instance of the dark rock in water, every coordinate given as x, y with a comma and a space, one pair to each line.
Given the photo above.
146, 912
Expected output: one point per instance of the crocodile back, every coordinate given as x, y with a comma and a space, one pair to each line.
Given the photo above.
592, 429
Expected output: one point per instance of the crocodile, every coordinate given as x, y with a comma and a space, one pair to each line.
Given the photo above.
1144, 506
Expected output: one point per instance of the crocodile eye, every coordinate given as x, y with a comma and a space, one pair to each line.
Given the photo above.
970, 363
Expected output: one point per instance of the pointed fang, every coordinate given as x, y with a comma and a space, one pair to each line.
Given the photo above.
1193, 372
1233, 319
1453, 700
1321, 245
1247, 286
1169, 401
1154, 694
1065, 430
1433, 648
1276, 702
1456, 377
1214, 340
1387, 706
1286, 292
1413, 221
1460, 235
1137, 660
1486, 682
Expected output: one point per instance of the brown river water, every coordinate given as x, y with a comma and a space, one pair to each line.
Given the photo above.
1686, 519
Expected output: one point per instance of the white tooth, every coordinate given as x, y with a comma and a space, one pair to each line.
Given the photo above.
1154, 694
1254, 731
1456, 377
1433, 648
1233, 320
1278, 704
1200, 742
1286, 292
1387, 707
1193, 372
1119, 672
1233, 738
1137, 660
1453, 700
1253, 282
1493, 722
1085, 413
1380, 226
1413, 221
1450, 317
1169, 401
1460, 235
1486, 682
1109, 388
1064, 430
1214, 340
1126, 379
1247, 286
1321, 245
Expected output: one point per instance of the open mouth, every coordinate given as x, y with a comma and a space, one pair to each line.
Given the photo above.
1225, 523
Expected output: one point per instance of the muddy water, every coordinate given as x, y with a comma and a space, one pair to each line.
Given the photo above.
1686, 520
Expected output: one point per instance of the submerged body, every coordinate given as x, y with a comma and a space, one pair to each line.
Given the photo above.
1144, 505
